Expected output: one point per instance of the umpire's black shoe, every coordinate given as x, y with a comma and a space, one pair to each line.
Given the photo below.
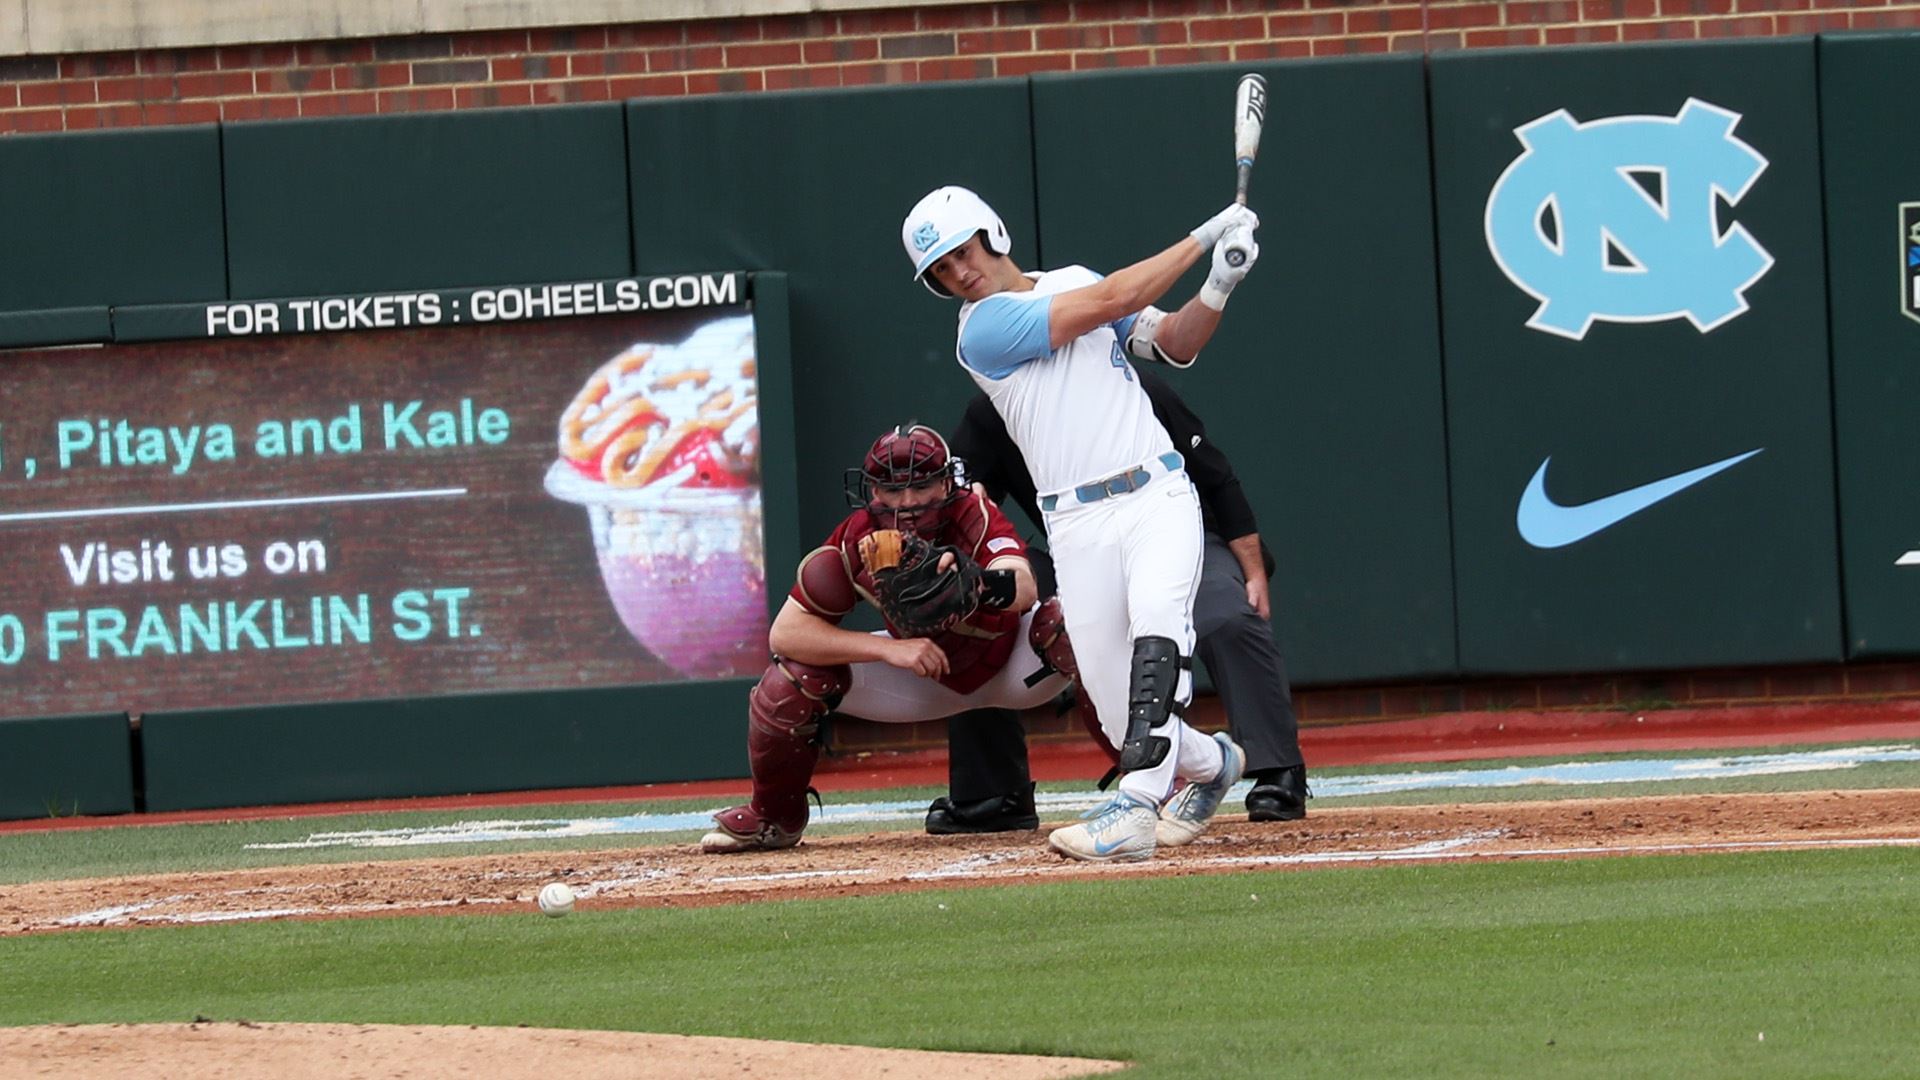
1279, 795
1002, 813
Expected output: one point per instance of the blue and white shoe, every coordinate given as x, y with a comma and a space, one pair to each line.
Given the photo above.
1186, 815
1121, 831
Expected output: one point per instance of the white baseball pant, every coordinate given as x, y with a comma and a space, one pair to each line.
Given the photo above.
1128, 567
894, 695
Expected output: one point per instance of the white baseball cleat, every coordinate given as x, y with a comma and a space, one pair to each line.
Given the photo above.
1121, 831
1186, 815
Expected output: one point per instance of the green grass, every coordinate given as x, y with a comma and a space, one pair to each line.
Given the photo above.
1668, 966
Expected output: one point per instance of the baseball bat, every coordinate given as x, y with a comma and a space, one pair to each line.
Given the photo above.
1249, 115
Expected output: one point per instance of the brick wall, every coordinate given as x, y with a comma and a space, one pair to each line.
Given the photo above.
763, 53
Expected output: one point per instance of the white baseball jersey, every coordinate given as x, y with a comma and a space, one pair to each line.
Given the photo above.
1076, 412
1127, 564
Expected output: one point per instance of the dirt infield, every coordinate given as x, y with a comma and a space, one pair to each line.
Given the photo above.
335, 1051
894, 862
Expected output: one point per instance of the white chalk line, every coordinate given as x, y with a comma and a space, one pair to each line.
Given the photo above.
790, 875
118, 916
1603, 849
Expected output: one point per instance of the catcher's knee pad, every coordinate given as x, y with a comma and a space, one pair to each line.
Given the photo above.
783, 729
1047, 636
1152, 701
792, 697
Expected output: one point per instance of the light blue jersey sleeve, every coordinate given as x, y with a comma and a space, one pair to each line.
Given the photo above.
1003, 333
1123, 327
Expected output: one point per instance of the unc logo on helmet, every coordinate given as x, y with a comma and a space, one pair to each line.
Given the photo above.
943, 220
1631, 202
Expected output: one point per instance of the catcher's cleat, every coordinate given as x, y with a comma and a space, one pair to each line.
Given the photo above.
743, 829
1121, 831
1186, 815
1281, 796
1001, 813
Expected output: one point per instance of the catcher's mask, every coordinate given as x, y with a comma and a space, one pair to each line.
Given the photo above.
906, 458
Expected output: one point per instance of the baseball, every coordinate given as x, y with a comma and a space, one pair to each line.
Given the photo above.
556, 899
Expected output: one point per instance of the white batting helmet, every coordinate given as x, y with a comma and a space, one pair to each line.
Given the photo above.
944, 220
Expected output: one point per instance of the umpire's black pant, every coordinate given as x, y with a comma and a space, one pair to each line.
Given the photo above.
987, 748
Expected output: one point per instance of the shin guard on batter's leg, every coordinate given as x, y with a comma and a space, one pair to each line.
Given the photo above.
783, 744
1152, 701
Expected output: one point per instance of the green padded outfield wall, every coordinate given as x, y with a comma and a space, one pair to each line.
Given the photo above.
58, 766
1656, 312
817, 184
104, 218
425, 201
1873, 257
1323, 384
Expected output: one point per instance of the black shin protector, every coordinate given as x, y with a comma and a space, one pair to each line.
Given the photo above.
1157, 665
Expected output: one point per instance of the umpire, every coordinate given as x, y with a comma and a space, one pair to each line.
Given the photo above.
990, 789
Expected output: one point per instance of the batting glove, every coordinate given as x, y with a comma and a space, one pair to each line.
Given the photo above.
1216, 226
1225, 275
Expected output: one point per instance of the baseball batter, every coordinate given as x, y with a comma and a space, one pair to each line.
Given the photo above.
967, 635
1123, 521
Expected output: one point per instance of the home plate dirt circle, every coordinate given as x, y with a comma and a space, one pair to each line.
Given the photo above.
680, 875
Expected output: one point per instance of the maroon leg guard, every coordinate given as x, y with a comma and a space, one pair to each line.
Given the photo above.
1047, 634
783, 727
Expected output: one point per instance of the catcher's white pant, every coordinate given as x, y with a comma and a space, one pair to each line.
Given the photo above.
894, 695
1128, 567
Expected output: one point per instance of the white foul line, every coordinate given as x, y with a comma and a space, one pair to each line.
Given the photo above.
790, 875
234, 504
1445, 850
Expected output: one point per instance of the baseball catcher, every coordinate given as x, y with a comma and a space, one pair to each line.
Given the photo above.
949, 575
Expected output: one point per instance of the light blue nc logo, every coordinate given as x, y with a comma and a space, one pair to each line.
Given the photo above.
927, 235
1617, 219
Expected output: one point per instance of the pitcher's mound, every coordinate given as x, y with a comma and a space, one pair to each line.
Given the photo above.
233, 1051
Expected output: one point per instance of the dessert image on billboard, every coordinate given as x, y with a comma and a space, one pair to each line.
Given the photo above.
662, 446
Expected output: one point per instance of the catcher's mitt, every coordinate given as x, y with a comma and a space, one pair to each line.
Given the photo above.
918, 598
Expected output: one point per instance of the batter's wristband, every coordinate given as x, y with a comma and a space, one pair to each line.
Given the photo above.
1212, 297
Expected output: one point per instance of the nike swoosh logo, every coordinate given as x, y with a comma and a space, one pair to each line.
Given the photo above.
1548, 524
